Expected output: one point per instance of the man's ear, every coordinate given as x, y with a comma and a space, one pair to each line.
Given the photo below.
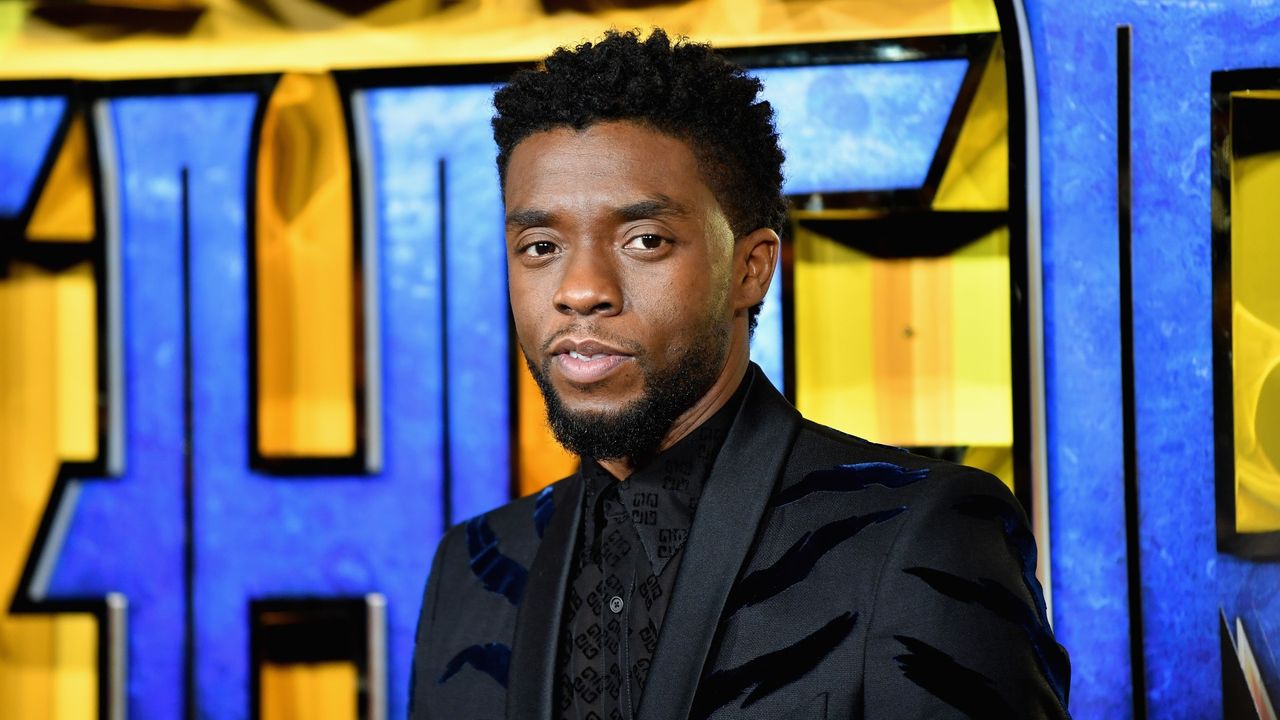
755, 257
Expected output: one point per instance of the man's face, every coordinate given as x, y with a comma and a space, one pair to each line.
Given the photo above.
619, 261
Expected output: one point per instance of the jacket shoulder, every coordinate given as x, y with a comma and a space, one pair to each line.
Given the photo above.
954, 593
830, 464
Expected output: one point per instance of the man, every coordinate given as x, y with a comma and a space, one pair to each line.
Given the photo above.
716, 555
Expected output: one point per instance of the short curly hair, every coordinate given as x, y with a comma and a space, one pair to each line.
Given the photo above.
681, 89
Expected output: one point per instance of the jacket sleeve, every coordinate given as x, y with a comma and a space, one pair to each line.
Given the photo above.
421, 677
958, 628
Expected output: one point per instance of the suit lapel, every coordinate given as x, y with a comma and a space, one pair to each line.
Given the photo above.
724, 527
533, 661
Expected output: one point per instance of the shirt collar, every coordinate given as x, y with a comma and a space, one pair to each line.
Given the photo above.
662, 495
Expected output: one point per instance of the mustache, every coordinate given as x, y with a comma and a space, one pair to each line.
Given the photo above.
628, 345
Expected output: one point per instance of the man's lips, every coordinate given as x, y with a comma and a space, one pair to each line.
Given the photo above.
584, 360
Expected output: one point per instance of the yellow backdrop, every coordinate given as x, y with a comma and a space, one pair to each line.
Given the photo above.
1255, 337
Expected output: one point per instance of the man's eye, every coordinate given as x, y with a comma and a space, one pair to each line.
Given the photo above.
540, 248
646, 242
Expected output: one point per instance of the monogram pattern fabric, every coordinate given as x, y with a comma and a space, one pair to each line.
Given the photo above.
623, 570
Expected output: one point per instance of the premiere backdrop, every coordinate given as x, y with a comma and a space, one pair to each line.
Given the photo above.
255, 352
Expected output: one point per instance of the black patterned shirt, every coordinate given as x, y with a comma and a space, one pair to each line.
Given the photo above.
623, 569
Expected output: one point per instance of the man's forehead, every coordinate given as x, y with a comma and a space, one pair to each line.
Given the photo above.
619, 166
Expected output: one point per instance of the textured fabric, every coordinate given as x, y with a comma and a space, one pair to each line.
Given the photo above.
623, 570
823, 577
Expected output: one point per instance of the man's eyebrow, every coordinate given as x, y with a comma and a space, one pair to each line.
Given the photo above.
657, 207
527, 218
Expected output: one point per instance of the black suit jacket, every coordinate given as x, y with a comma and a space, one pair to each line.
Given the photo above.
824, 577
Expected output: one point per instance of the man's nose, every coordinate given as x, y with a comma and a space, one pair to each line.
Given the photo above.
590, 284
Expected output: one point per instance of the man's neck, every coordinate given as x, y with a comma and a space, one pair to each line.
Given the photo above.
735, 369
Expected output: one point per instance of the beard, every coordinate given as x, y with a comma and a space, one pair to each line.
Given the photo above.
635, 430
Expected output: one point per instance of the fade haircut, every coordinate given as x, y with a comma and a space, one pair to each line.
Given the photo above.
681, 89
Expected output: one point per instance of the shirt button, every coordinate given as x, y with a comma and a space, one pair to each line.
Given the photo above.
615, 604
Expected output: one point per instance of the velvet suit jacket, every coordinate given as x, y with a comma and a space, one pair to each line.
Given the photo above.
823, 577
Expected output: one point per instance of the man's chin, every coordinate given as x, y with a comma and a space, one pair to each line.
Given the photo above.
596, 403
604, 425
